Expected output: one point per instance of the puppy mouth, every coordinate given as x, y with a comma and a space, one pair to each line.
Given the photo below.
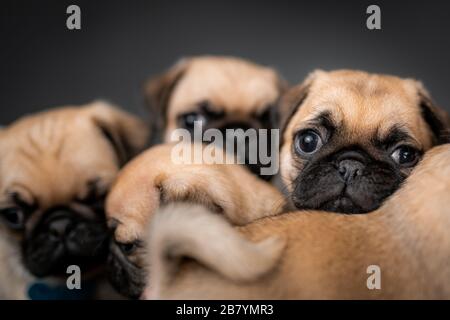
126, 277
53, 259
342, 198
348, 181
62, 239
339, 199
342, 204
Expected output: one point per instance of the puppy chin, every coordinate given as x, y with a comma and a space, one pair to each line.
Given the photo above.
344, 205
127, 278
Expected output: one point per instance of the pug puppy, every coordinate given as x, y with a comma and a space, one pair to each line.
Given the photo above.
218, 93
154, 178
350, 138
194, 254
55, 170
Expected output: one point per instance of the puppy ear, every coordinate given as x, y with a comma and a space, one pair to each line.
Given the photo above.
127, 134
436, 117
2, 130
157, 95
272, 116
294, 98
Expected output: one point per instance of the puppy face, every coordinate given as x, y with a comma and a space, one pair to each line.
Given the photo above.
218, 92
350, 138
55, 170
153, 179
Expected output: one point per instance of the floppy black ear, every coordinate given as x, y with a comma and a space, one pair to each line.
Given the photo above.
290, 103
437, 118
126, 133
158, 91
272, 116
293, 99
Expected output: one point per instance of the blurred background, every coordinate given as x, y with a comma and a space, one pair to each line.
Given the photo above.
123, 43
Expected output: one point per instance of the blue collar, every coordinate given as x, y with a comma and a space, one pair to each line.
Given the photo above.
43, 291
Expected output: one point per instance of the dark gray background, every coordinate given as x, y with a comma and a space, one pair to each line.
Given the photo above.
42, 64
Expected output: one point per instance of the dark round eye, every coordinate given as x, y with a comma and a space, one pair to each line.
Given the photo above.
14, 217
307, 142
127, 248
189, 119
405, 155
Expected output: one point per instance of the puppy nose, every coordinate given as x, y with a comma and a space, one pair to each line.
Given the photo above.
59, 226
349, 169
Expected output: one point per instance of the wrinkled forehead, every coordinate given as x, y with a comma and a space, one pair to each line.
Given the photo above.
55, 134
230, 85
41, 158
365, 105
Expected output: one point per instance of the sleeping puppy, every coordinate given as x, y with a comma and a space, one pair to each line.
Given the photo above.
153, 179
194, 254
350, 138
55, 169
218, 93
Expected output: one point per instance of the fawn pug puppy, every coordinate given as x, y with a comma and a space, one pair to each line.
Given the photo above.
154, 178
350, 138
55, 169
218, 93
194, 254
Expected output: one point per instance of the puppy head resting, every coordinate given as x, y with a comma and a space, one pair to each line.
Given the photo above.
55, 170
350, 138
153, 179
